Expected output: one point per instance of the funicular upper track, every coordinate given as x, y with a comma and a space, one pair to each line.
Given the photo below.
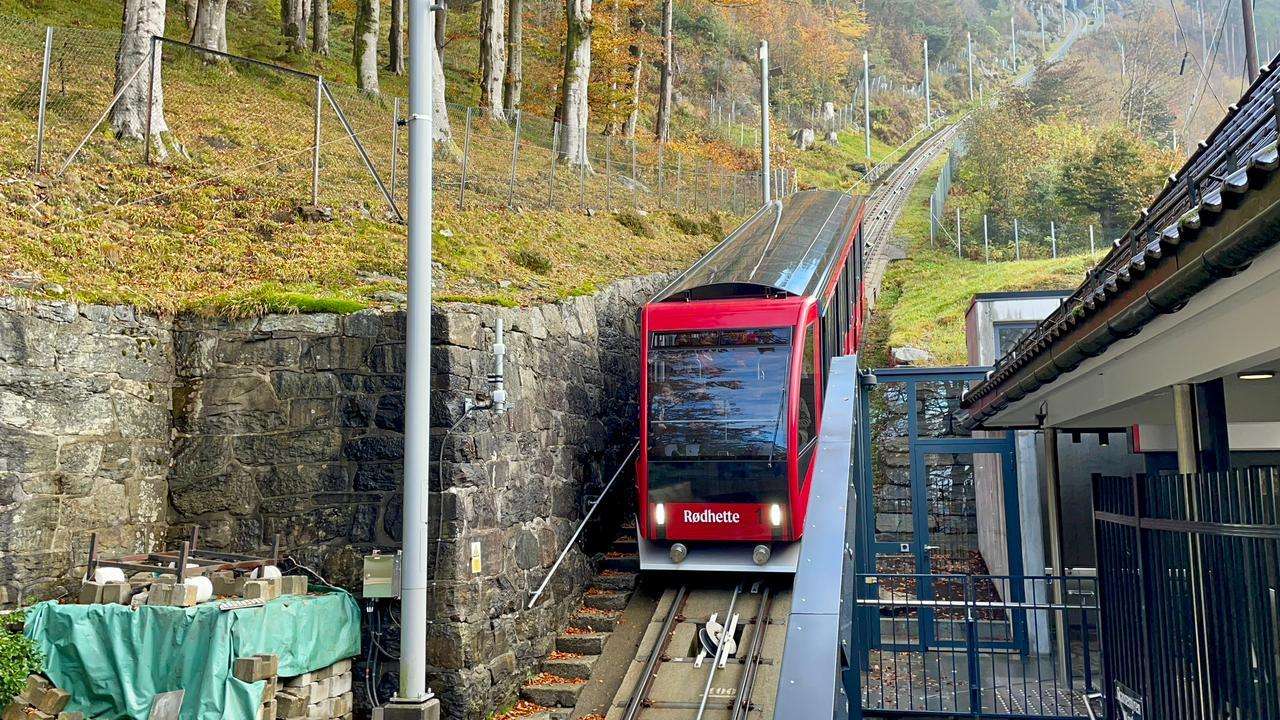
676, 675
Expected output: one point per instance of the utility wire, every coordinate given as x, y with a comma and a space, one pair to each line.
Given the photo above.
1186, 52
1204, 78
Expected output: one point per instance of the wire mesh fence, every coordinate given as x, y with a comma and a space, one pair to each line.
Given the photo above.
299, 140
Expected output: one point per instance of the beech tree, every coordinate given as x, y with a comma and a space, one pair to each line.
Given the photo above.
395, 38
493, 57
364, 42
191, 7
513, 79
662, 130
293, 25
320, 27
635, 52
143, 19
209, 27
576, 80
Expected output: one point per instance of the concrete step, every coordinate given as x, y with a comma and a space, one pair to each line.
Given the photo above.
553, 692
627, 562
598, 621
606, 599
577, 667
615, 580
582, 643
550, 714
625, 542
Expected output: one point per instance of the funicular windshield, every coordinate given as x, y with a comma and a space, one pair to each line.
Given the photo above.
718, 416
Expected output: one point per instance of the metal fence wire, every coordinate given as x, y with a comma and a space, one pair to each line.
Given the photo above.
298, 139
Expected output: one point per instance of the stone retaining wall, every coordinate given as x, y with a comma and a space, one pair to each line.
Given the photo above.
292, 425
84, 438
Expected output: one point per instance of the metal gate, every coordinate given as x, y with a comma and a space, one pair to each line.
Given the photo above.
946, 620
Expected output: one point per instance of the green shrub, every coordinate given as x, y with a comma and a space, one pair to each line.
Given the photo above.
530, 259
712, 226
635, 222
18, 657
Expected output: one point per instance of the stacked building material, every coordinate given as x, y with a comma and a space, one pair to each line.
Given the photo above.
323, 694
40, 700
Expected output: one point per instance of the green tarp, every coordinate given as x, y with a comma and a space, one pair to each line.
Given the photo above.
113, 660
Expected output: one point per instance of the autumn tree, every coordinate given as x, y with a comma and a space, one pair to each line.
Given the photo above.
209, 27
140, 90
574, 108
320, 27
395, 38
493, 57
662, 129
513, 78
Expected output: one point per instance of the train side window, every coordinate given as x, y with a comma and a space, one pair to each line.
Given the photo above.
807, 427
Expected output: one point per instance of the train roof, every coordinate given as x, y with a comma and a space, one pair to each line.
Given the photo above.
790, 246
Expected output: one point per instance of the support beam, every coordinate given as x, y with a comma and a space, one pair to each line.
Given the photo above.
1184, 424
1053, 489
1214, 450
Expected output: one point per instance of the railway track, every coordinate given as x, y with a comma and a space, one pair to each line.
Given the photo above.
885, 205
677, 676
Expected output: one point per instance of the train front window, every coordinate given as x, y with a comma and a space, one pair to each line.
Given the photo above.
718, 416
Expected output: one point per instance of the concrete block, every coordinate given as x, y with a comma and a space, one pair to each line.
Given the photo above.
322, 710
159, 594
300, 680
166, 579
339, 684
340, 667
269, 709
428, 710
117, 593
71, 715
293, 585
53, 701
250, 669
14, 711
272, 664
90, 593
257, 590
342, 704
183, 595
226, 584
319, 690
291, 705
36, 686
275, 586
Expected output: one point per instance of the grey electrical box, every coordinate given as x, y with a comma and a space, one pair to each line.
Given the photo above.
381, 576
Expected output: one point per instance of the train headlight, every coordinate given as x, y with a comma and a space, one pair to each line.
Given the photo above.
775, 514
660, 514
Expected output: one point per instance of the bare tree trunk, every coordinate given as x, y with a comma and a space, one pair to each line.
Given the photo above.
293, 19
442, 21
573, 88
636, 51
439, 109
210, 31
493, 56
395, 38
513, 80
320, 28
143, 19
192, 7
364, 41
662, 131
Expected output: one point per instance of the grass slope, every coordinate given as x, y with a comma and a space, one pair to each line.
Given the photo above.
925, 296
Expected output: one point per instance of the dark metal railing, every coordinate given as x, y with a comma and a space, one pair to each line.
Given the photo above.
968, 652
1189, 588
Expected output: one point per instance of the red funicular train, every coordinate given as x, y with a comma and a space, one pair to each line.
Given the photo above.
735, 352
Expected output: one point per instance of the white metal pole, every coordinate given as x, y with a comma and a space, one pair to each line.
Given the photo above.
866, 104
765, 189
958, 253
1053, 238
417, 414
1013, 47
933, 221
969, 40
1017, 245
986, 240
928, 101
1091, 249
44, 95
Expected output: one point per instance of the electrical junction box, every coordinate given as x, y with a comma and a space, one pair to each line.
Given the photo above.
381, 576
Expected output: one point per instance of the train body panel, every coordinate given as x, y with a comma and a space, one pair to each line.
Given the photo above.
734, 353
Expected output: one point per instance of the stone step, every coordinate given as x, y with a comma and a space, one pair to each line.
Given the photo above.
550, 714
629, 562
615, 580
626, 542
606, 599
577, 667
596, 621
551, 694
582, 643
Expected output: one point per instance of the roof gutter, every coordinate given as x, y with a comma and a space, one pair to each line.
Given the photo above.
1217, 239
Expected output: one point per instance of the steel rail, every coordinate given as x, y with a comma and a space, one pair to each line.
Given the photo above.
641, 695
742, 702
720, 651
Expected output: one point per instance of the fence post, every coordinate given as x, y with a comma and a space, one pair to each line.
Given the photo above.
986, 241
1092, 252
515, 157
466, 158
1017, 246
635, 184
679, 176
661, 171
933, 222
958, 252
315, 146
555, 154
44, 95
1053, 238
395, 140
608, 173
733, 201
151, 95
971, 642
582, 172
